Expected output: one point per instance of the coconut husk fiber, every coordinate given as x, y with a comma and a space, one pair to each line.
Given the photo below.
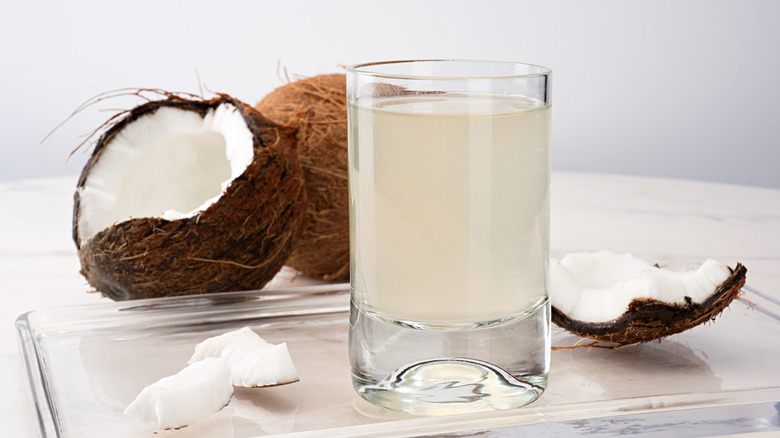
238, 243
317, 107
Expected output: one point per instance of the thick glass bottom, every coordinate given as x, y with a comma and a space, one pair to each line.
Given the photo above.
443, 372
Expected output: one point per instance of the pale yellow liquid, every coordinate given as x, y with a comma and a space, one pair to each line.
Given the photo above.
449, 207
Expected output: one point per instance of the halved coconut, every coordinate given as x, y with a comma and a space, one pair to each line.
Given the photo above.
194, 393
186, 197
621, 299
254, 363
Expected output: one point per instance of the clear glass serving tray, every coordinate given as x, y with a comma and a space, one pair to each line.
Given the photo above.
86, 363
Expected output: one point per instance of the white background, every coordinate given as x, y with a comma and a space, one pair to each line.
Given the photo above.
683, 89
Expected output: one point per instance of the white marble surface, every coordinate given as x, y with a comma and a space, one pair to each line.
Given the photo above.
660, 220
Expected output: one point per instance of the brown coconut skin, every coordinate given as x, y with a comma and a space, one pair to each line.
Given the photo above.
648, 319
317, 106
237, 243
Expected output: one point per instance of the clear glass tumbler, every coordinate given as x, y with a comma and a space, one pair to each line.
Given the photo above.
449, 171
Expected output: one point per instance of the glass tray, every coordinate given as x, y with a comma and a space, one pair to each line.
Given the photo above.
86, 363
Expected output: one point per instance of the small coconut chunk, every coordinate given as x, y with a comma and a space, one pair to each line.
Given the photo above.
264, 367
253, 362
235, 343
199, 390
598, 287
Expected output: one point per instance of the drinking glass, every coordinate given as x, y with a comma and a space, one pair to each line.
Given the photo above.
449, 188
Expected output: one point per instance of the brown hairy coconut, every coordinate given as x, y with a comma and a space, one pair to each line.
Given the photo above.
188, 196
317, 106
648, 319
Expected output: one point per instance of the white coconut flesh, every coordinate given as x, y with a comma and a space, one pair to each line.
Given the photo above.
196, 392
253, 362
170, 164
598, 287
236, 342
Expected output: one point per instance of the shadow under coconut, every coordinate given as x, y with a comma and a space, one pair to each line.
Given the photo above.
649, 369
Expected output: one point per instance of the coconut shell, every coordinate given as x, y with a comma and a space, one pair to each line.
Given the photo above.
238, 243
648, 319
317, 106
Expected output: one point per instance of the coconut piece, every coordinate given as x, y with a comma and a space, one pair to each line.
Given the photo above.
186, 196
317, 106
230, 343
621, 299
253, 362
263, 367
176, 401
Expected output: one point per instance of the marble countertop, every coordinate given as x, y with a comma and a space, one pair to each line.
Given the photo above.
660, 220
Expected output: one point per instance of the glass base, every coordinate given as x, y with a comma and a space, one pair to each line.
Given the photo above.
445, 386
442, 372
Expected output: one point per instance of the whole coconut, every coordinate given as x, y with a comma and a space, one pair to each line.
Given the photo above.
187, 196
317, 106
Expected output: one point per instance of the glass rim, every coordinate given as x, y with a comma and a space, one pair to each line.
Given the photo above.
364, 68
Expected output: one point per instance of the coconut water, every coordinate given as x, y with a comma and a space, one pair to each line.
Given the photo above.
449, 217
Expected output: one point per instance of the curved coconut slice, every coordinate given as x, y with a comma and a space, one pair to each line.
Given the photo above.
185, 197
621, 299
192, 394
254, 363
